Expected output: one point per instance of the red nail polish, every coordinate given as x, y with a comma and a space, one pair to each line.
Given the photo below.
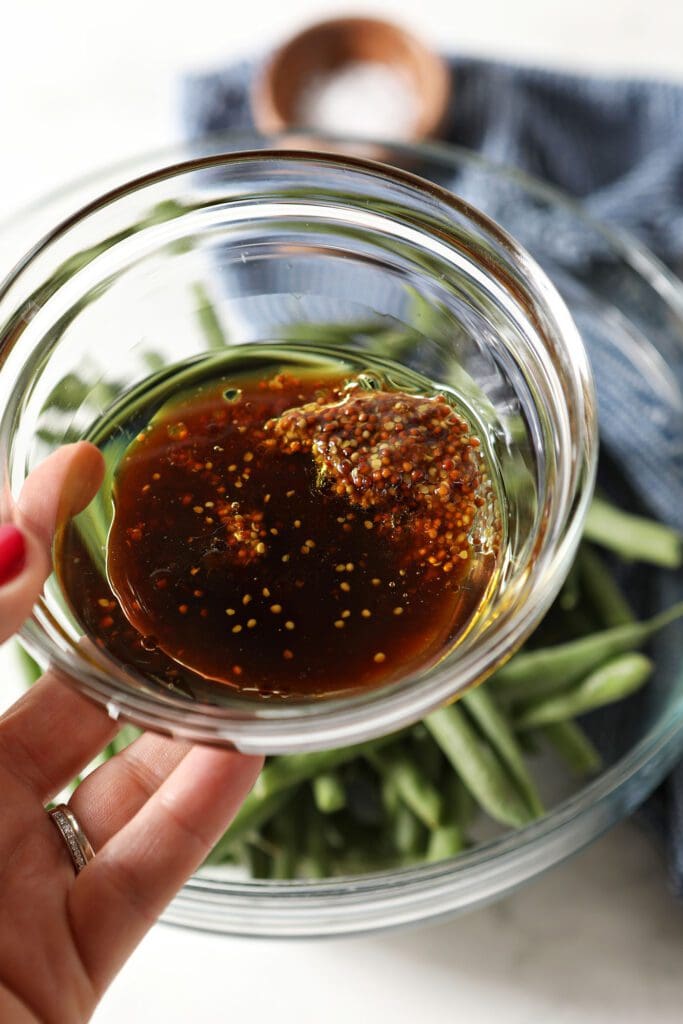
12, 552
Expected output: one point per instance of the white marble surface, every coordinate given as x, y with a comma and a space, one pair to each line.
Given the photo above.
595, 941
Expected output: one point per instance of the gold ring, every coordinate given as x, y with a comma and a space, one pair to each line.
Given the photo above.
77, 842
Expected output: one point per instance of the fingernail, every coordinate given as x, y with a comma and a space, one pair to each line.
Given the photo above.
12, 552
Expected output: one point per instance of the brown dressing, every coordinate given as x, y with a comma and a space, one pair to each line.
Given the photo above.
297, 536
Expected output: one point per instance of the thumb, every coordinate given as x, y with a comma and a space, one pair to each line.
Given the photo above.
57, 489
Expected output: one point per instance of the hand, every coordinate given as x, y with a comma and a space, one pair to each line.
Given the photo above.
152, 813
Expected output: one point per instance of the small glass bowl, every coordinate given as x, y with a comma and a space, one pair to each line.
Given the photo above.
291, 244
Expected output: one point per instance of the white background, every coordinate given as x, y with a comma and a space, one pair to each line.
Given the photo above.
598, 940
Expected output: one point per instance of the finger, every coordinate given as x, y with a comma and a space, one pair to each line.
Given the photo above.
50, 734
59, 487
20, 588
114, 793
123, 890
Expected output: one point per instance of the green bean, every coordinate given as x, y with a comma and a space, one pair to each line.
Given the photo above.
633, 537
237, 854
570, 595
96, 519
257, 814
334, 836
548, 670
390, 795
216, 339
578, 622
68, 394
461, 807
315, 861
477, 766
572, 744
482, 706
286, 832
72, 392
603, 593
410, 783
364, 794
103, 393
445, 841
68, 435
613, 681
30, 667
283, 773
426, 753
356, 860
334, 334
259, 862
528, 742
291, 769
328, 792
154, 361
407, 832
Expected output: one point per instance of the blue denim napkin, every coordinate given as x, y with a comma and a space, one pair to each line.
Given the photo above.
616, 144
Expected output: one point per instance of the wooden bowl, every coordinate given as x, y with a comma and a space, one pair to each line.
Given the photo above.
327, 47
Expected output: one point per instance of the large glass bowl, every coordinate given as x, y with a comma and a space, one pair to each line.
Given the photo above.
628, 307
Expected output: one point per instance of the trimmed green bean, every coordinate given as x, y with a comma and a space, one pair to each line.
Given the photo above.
286, 832
328, 792
334, 334
410, 783
68, 394
613, 681
67, 435
528, 741
407, 832
257, 814
315, 861
603, 593
482, 706
154, 361
445, 841
578, 622
573, 746
390, 795
291, 769
478, 766
259, 862
424, 750
540, 673
30, 667
461, 807
284, 773
633, 537
208, 320
570, 595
